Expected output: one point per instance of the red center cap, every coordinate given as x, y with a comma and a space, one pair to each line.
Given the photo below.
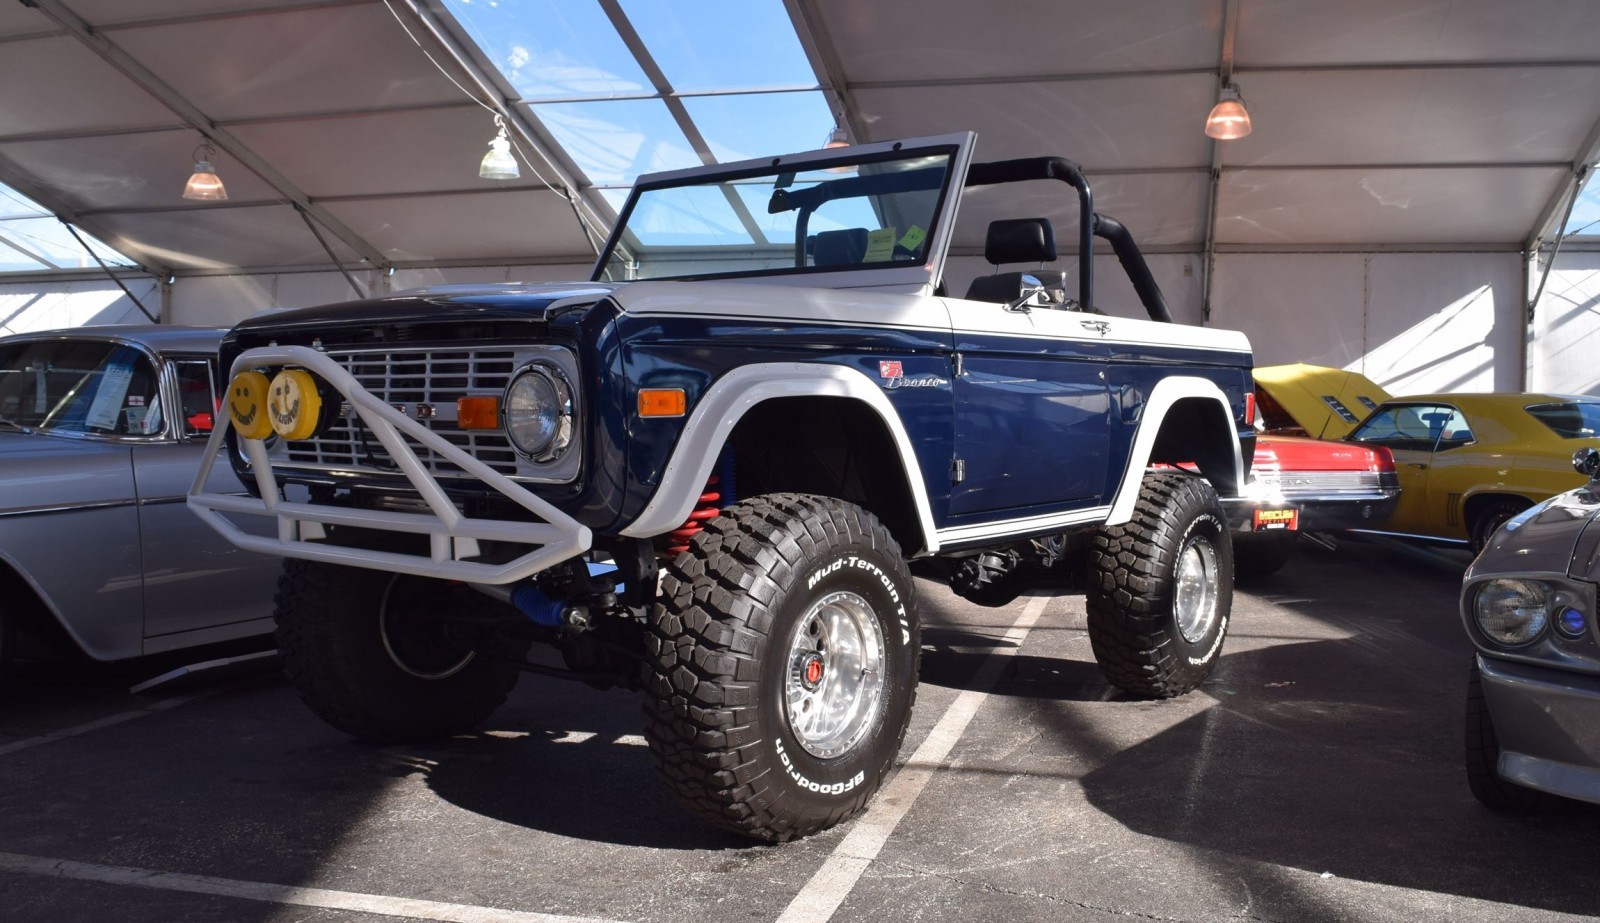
814, 671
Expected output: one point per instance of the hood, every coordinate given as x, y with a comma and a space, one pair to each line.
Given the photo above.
444, 312
1560, 535
1313, 396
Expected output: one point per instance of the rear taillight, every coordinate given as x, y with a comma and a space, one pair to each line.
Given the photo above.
1250, 408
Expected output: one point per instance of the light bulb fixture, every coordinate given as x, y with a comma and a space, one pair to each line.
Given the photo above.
1229, 119
837, 138
204, 183
499, 163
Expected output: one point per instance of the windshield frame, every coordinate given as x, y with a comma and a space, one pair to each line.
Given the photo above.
899, 276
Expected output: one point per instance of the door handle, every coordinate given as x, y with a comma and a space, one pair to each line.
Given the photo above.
1098, 326
1416, 465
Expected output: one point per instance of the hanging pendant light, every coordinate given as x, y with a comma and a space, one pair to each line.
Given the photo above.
204, 183
1229, 119
499, 163
837, 138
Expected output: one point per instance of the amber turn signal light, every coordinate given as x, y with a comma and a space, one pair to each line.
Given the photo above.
478, 412
662, 402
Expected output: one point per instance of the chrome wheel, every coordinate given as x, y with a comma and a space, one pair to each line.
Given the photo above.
835, 675
418, 643
1196, 588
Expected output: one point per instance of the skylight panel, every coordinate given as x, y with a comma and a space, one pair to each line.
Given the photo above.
613, 142
33, 240
758, 125
1585, 218
552, 49
713, 45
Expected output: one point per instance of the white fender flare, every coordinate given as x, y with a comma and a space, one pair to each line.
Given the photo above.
1167, 392
729, 399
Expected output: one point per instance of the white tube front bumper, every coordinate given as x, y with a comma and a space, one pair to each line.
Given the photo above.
452, 536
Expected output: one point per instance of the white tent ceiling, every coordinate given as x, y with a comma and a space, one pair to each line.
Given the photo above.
1378, 123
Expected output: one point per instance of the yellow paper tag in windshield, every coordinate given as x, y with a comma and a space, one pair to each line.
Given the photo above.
913, 238
880, 245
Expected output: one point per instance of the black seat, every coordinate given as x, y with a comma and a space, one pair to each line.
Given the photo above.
1017, 240
839, 248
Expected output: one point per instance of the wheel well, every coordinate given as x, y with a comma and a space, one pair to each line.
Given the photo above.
1196, 431
34, 619
1478, 503
835, 447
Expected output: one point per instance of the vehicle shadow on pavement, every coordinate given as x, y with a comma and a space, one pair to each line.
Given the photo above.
1363, 788
597, 783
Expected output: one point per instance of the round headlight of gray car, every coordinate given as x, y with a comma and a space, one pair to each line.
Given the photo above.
1511, 613
539, 412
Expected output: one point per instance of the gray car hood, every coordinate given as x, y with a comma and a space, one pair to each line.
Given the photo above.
1560, 535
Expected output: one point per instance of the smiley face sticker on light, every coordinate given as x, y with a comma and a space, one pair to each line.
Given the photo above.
247, 405
293, 405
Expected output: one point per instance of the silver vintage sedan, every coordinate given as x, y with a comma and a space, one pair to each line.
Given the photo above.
1533, 699
101, 433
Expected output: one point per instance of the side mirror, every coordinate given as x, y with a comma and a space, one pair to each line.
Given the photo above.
1587, 462
1034, 294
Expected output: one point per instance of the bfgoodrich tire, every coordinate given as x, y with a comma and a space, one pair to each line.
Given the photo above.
782, 665
1161, 588
1483, 758
377, 655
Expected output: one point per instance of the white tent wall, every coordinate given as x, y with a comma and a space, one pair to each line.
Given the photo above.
1413, 322
30, 306
1565, 338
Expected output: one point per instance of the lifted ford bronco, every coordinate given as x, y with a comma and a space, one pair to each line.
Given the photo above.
702, 473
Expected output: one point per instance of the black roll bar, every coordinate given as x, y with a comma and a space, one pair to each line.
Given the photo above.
1132, 260
1060, 168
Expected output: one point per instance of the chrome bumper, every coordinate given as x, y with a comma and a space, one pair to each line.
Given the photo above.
1548, 725
453, 537
1318, 513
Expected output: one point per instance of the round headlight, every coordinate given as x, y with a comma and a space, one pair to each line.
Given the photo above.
1511, 612
539, 412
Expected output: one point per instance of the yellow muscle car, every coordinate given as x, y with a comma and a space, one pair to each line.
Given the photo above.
1469, 462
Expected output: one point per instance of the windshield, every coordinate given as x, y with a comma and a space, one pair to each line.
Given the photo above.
80, 386
853, 213
1569, 419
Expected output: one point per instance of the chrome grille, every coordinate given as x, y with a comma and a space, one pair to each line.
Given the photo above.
408, 378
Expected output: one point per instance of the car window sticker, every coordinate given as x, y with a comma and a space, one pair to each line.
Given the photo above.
108, 399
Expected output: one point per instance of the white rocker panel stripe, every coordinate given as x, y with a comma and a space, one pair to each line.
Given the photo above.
1167, 392
728, 400
1031, 524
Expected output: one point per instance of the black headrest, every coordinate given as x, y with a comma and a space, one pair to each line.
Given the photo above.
1020, 240
839, 248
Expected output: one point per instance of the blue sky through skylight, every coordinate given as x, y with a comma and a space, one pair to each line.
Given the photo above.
554, 50
32, 240
1585, 219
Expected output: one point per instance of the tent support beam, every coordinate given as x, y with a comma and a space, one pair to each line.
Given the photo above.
146, 80
1208, 256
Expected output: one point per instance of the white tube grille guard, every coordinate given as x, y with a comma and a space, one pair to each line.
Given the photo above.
452, 535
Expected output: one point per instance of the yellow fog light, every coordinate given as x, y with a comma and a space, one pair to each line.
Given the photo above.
247, 405
293, 404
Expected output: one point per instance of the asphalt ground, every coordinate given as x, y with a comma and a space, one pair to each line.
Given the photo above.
1317, 776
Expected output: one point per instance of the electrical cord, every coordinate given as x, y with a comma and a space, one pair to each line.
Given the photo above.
591, 233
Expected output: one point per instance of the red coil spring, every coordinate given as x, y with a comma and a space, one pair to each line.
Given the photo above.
707, 507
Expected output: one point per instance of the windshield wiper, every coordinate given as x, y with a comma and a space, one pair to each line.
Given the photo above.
7, 421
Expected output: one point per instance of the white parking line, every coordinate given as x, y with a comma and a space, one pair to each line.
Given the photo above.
820, 898
276, 894
108, 721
